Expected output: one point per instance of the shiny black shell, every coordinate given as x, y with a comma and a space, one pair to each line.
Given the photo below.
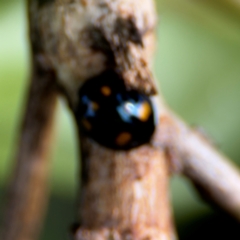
113, 116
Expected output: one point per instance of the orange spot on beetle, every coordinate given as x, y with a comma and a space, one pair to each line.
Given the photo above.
123, 138
106, 91
144, 111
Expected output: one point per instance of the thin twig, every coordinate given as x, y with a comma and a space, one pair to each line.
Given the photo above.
191, 154
28, 191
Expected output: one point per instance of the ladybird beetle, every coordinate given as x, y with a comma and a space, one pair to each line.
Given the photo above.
113, 116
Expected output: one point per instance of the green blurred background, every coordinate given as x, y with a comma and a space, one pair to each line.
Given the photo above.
198, 67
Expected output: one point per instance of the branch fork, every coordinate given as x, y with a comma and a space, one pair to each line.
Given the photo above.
124, 194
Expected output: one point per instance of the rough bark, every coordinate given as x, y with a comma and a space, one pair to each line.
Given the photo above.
81, 39
124, 194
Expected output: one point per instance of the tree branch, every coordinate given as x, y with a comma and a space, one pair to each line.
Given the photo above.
28, 191
124, 194
191, 154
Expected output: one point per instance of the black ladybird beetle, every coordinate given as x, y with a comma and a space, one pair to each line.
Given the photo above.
113, 116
